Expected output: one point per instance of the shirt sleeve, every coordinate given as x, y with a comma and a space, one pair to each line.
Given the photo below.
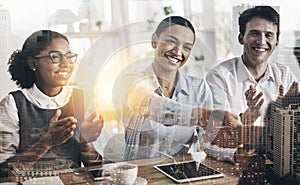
139, 94
9, 128
290, 79
218, 88
207, 96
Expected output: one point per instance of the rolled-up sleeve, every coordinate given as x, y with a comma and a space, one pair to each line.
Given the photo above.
9, 128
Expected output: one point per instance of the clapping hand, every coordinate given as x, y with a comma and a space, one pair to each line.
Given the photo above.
59, 131
231, 120
254, 103
89, 129
292, 90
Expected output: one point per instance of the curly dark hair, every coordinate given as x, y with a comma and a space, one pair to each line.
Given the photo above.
34, 44
173, 20
264, 12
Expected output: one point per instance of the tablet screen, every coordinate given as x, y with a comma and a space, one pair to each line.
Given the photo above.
188, 171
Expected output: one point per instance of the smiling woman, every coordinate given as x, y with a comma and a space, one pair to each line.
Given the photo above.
160, 105
45, 119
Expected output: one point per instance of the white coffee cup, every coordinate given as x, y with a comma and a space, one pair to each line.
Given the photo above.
121, 173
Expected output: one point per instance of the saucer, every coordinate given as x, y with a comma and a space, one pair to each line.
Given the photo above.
140, 181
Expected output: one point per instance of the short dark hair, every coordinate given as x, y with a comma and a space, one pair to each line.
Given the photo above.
264, 12
171, 21
34, 44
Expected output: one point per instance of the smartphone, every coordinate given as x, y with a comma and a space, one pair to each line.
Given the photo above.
97, 174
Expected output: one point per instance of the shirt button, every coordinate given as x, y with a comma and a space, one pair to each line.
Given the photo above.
52, 104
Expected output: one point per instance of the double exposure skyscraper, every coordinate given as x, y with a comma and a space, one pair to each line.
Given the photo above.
283, 135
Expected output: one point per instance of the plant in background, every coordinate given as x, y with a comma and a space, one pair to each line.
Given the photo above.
168, 10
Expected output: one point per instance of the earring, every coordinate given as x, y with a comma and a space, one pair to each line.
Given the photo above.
33, 69
153, 44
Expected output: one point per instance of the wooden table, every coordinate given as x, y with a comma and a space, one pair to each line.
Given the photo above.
147, 171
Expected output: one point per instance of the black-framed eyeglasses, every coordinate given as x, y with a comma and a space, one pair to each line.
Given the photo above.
57, 56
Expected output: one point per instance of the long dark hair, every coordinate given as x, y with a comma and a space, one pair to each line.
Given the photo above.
34, 44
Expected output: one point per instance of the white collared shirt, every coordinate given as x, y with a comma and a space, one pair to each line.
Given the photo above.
230, 79
9, 120
38, 98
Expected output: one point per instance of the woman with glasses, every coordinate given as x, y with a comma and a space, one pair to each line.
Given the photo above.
45, 120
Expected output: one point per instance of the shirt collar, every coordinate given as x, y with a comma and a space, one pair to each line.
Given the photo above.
242, 71
181, 85
269, 75
149, 72
244, 74
45, 101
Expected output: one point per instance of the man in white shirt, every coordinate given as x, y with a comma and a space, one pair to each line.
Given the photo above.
246, 85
